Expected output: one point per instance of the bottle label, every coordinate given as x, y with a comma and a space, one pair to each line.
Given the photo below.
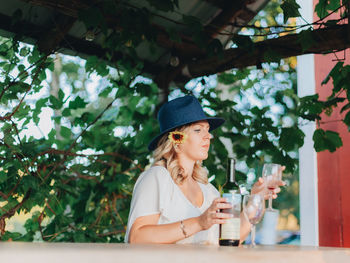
231, 229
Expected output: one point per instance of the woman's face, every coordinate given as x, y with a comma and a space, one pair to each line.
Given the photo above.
197, 143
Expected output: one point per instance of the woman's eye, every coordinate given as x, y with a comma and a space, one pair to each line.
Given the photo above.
197, 130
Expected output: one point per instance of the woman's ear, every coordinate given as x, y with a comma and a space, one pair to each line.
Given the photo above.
176, 148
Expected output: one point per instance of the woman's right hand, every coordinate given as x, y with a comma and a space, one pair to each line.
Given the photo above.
213, 215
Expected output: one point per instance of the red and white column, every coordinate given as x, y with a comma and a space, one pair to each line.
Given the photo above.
324, 177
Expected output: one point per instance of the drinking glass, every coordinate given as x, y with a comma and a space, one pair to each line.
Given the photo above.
253, 209
272, 174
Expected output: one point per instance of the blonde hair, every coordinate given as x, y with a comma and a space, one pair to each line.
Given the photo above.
165, 155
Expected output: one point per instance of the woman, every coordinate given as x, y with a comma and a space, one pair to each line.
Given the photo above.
172, 201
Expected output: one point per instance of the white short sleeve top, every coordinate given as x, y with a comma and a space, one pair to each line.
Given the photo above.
155, 192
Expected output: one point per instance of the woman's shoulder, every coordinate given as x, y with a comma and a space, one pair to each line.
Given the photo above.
155, 173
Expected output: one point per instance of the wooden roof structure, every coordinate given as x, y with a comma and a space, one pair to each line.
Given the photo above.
56, 25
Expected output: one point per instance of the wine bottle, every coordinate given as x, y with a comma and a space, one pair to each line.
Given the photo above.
229, 234
230, 231
231, 185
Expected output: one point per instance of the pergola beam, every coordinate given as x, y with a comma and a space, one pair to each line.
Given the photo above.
184, 49
230, 10
325, 40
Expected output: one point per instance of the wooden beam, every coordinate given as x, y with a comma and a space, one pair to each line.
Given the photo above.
67, 7
184, 49
325, 40
52, 38
218, 3
30, 33
230, 10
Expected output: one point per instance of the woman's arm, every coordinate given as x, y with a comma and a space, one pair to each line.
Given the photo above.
146, 230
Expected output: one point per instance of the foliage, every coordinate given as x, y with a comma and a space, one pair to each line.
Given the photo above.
77, 179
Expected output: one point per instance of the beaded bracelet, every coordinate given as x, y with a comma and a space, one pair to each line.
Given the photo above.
182, 226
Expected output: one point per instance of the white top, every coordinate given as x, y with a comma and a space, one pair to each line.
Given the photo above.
155, 192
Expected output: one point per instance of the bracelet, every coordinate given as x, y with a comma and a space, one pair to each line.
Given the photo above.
182, 226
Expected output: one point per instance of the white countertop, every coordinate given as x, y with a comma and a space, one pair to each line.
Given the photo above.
13, 252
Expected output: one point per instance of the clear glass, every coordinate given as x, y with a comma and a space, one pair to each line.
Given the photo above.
272, 174
253, 209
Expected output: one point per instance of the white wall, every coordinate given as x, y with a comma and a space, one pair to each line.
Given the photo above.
307, 155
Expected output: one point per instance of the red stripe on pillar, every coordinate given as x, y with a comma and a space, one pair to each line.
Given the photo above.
333, 168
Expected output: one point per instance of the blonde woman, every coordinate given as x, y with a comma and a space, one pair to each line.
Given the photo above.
172, 201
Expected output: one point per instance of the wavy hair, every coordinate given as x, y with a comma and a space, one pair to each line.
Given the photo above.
165, 155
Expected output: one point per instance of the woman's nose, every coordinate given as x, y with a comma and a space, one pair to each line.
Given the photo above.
208, 135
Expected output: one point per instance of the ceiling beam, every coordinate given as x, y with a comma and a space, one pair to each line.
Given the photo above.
218, 3
30, 33
184, 49
53, 37
325, 40
230, 10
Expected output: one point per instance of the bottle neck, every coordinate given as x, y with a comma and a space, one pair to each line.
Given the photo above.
231, 170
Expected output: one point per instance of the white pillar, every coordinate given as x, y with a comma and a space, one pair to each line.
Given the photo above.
307, 155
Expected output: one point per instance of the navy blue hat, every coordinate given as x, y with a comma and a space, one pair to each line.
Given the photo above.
181, 111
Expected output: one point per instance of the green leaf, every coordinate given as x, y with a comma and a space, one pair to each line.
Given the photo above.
60, 95
3, 177
52, 136
243, 42
321, 8
306, 40
34, 56
346, 107
55, 103
24, 51
326, 140
42, 75
65, 132
290, 9
291, 138
334, 73
347, 119
333, 5
102, 68
310, 107
77, 103
106, 92
66, 112
91, 63
86, 117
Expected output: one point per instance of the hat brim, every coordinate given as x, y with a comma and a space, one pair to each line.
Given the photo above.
214, 123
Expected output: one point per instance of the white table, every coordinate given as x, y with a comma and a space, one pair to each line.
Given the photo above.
13, 252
